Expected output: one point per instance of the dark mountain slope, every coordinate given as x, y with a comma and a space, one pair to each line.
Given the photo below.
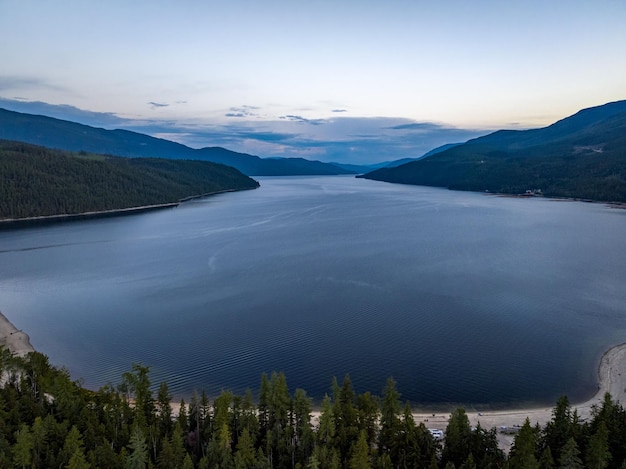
65, 135
582, 156
38, 181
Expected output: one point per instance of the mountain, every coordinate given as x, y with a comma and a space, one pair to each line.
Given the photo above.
39, 181
581, 156
400, 162
65, 135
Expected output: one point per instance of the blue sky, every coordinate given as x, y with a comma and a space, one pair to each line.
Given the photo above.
358, 82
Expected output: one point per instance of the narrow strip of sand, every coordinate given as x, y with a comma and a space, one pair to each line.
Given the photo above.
15, 340
611, 379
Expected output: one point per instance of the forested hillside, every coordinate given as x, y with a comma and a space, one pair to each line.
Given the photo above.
72, 136
48, 421
582, 156
38, 181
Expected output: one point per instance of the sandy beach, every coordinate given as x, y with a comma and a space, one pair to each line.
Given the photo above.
611, 379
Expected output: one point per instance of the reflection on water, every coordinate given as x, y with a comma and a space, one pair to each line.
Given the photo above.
461, 297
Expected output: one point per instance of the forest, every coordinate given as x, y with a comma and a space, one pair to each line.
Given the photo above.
47, 420
39, 181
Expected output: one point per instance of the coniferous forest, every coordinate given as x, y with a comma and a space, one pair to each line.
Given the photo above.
39, 181
49, 421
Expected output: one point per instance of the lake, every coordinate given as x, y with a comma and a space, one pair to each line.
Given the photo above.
463, 298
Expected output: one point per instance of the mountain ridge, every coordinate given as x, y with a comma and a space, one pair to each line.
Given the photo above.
72, 136
580, 156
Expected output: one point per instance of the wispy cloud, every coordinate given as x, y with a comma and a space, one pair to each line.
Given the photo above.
155, 105
243, 111
303, 120
15, 82
359, 140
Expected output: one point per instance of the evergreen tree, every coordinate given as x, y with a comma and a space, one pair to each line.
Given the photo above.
389, 418
278, 419
524, 448
164, 410
360, 458
138, 457
40, 442
23, 447
546, 461
245, 457
303, 431
78, 461
598, 454
368, 417
166, 458
346, 422
558, 430
73, 444
570, 456
458, 438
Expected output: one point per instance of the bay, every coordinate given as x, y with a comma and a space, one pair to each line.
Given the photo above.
462, 297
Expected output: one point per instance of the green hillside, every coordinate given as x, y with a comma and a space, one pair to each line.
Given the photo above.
582, 156
37, 181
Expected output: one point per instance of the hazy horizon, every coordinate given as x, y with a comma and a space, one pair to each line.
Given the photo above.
323, 81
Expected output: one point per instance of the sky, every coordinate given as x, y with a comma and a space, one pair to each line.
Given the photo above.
330, 80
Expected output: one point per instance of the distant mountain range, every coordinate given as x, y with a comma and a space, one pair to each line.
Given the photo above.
581, 156
65, 135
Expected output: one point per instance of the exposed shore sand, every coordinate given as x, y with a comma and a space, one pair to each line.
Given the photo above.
15, 340
611, 379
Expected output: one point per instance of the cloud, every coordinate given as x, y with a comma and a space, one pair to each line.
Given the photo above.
65, 112
303, 120
358, 140
417, 126
242, 111
155, 105
13, 82
339, 110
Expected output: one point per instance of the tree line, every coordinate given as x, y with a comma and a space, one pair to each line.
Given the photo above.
39, 181
48, 420
555, 170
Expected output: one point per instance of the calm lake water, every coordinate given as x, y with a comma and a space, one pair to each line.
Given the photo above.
461, 297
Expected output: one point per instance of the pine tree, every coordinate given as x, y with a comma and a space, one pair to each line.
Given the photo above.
164, 410
360, 458
598, 454
245, 455
23, 447
570, 456
304, 437
138, 457
522, 454
346, 423
73, 444
458, 437
78, 461
389, 418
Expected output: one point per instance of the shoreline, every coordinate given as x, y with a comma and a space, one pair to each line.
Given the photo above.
16, 340
611, 378
8, 223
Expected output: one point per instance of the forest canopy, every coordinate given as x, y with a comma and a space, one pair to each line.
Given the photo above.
48, 420
38, 181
